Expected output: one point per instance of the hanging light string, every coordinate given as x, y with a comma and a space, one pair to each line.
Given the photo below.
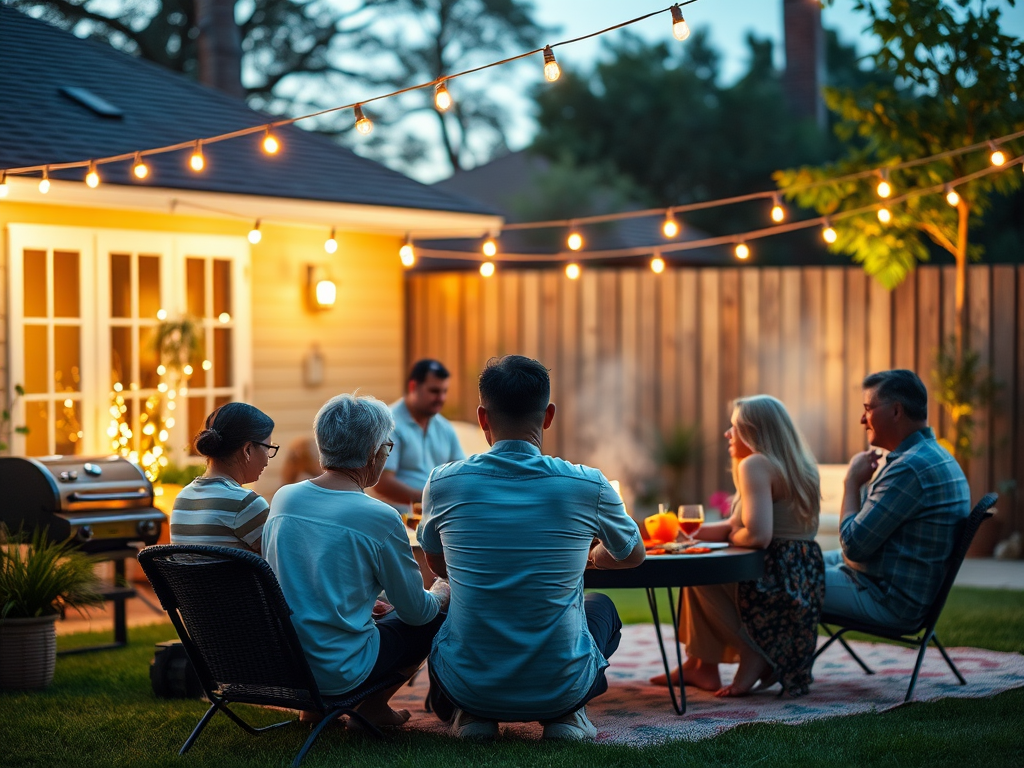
269, 126
708, 242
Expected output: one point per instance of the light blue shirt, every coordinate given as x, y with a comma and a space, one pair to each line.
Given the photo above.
333, 552
515, 528
418, 451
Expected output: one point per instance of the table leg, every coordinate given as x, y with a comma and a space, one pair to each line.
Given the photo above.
678, 702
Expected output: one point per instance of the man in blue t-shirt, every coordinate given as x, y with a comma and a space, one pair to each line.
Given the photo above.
513, 530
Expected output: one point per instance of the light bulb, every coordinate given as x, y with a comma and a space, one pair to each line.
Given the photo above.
487, 268
551, 69
742, 251
331, 245
197, 161
270, 143
44, 183
224, 317
490, 248
828, 234
778, 212
884, 188
161, 314
680, 29
363, 124
92, 179
572, 271
998, 156
670, 227
884, 215
442, 99
657, 265
139, 168
574, 241
254, 234
3, 184
953, 197
407, 255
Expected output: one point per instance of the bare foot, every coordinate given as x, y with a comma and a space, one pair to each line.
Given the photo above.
752, 668
383, 716
697, 673
688, 666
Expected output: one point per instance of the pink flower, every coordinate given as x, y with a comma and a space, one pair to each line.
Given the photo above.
721, 501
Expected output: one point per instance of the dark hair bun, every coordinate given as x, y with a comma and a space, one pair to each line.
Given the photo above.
230, 427
208, 441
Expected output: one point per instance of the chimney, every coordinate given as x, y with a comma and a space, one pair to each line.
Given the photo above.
220, 46
805, 58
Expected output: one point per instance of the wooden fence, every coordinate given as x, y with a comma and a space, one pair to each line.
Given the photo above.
633, 354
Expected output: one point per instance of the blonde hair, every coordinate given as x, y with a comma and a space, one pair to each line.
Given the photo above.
764, 424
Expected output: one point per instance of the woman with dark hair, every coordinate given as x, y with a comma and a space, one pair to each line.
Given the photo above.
215, 508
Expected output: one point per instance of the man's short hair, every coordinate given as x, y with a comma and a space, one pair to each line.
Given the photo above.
515, 389
903, 387
427, 367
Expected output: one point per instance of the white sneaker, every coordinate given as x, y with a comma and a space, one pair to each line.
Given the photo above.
575, 726
467, 726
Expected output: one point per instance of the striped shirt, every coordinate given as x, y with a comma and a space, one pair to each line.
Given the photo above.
908, 525
220, 512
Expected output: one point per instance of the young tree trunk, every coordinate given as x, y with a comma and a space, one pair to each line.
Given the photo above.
220, 46
961, 329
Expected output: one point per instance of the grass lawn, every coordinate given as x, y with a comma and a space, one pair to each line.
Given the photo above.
100, 711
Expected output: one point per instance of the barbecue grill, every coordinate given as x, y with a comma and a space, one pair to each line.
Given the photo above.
103, 504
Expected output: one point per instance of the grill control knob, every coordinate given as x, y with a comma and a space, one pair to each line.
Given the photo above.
147, 527
92, 469
85, 533
68, 475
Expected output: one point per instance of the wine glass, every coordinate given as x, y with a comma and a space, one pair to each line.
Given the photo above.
691, 518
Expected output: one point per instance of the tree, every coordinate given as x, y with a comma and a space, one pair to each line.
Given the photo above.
957, 81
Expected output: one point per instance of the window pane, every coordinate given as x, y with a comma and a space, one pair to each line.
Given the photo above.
36, 357
120, 285
222, 357
120, 356
199, 378
67, 359
35, 283
149, 286
148, 358
68, 428
65, 284
221, 287
196, 287
37, 440
196, 420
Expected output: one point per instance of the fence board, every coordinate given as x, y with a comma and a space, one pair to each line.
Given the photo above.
929, 330
749, 310
856, 359
834, 397
769, 361
979, 278
711, 413
812, 362
1003, 415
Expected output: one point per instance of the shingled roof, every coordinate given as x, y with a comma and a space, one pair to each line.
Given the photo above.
41, 123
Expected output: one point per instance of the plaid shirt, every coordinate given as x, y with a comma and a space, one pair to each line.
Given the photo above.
907, 526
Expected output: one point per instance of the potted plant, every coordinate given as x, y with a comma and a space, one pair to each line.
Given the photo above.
38, 581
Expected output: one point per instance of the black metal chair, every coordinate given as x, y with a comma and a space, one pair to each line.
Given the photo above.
233, 620
924, 631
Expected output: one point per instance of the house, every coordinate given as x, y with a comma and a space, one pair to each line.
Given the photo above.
90, 273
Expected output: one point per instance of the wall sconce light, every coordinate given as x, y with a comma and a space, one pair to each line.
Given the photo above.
322, 292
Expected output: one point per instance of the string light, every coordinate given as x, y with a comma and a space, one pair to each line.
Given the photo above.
884, 188
952, 196
442, 99
44, 183
828, 234
3, 184
197, 161
998, 156
884, 215
572, 271
778, 212
489, 248
670, 227
363, 124
331, 245
574, 240
92, 178
742, 251
551, 69
657, 265
487, 268
139, 168
270, 143
254, 234
680, 29
407, 254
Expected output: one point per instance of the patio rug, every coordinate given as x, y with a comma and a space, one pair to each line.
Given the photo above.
637, 714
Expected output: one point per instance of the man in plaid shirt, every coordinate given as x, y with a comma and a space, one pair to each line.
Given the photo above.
897, 537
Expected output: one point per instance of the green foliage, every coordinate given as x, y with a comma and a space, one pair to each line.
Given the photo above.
675, 453
963, 386
43, 577
181, 474
5, 420
956, 80
179, 342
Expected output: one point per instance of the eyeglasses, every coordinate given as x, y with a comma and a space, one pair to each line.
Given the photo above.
272, 448
389, 445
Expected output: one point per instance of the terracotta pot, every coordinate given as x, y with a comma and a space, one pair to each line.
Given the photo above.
28, 652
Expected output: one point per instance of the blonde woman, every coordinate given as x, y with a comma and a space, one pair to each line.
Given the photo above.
768, 625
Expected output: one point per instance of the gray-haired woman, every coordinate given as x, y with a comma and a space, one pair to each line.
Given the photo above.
334, 549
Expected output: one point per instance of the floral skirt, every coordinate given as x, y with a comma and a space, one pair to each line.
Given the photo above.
780, 610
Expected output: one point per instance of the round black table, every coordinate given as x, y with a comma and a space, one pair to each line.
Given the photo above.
721, 566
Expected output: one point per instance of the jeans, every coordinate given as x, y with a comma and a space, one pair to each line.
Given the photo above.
854, 596
402, 646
